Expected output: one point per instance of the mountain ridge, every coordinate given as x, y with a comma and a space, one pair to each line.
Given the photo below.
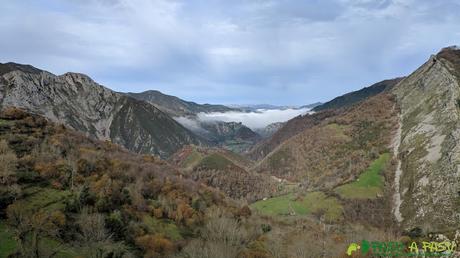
76, 100
175, 106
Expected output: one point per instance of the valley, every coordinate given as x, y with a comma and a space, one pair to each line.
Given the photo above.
90, 172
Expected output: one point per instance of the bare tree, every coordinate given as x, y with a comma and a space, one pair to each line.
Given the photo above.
95, 238
32, 227
8, 161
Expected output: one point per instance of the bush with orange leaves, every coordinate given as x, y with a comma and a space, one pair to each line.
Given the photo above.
155, 245
13, 113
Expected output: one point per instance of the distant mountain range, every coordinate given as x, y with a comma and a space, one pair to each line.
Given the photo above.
175, 106
255, 107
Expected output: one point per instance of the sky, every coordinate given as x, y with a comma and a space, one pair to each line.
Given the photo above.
229, 52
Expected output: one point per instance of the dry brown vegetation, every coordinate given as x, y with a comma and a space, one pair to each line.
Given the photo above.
225, 171
338, 148
111, 202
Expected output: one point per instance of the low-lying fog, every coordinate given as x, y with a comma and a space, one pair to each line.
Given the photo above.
254, 120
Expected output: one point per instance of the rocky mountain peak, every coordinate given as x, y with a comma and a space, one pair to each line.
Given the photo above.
10, 66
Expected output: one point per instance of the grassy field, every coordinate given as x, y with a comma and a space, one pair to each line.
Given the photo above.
215, 161
163, 227
304, 205
38, 198
370, 182
7, 243
193, 159
43, 198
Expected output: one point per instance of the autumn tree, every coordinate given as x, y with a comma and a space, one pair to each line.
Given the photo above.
9, 190
31, 228
8, 163
95, 239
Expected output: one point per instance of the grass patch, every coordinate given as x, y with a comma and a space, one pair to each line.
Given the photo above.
163, 227
6, 122
193, 159
370, 182
305, 205
48, 199
64, 251
214, 161
7, 243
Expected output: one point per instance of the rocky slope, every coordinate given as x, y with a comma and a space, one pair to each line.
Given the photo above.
175, 106
77, 101
230, 135
429, 149
270, 129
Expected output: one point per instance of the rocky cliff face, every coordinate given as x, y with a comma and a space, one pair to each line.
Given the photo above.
270, 129
428, 179
77, 101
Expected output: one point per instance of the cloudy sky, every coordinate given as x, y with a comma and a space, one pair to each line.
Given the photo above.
275, 52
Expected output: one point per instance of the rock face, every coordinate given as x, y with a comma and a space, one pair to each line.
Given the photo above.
270, 129
224, 131
429, 150
75, 100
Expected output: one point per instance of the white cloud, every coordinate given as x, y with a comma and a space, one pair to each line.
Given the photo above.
253, 120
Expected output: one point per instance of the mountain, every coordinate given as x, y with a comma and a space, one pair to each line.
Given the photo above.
77, 101
322, 112
428, 145
230, 135
175, 106
359, 95
289, 129
313, 105
255, 107
224, 170
396, 151
334, 148
63, 194
270, 129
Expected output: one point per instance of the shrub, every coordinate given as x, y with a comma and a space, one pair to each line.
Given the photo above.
13, 113
8, 162
154, 245
266, 228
